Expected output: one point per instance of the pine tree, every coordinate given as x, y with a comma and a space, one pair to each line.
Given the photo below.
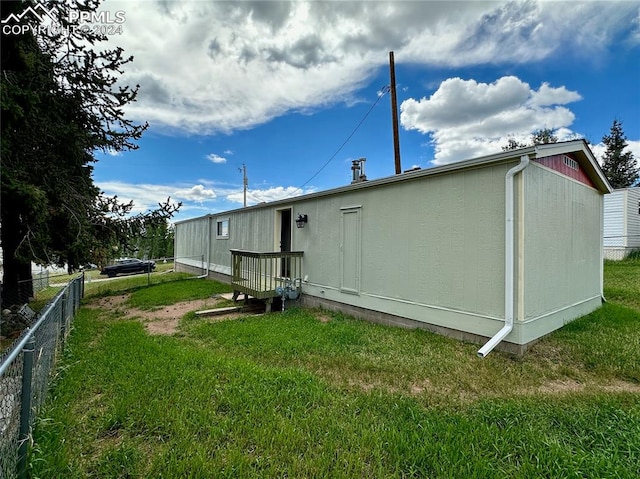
618, 165
60, 102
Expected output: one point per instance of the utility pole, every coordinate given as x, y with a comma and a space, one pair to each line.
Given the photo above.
394, 114
245, 183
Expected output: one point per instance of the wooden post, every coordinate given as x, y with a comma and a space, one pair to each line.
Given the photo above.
394, 115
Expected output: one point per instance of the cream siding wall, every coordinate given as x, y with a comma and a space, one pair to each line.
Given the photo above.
561, 251
443, 247
431, 249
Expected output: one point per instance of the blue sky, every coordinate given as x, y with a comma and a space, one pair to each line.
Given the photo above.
280, 86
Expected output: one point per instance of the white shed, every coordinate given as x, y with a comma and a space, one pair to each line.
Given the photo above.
621, 223
504, 248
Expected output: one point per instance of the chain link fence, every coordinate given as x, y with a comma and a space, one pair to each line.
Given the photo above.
39, 282
25, 369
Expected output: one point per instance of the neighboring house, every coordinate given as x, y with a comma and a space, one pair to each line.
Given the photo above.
507, 246
621, 223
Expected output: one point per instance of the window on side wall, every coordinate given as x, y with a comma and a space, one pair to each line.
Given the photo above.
222, 228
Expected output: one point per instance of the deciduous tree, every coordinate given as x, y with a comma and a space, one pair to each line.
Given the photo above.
539, 137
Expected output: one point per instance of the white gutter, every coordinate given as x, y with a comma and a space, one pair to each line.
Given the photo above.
509, 266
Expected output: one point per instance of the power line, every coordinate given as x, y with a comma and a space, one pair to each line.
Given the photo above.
382, 92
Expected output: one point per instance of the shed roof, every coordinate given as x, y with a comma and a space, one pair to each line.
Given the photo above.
578, 148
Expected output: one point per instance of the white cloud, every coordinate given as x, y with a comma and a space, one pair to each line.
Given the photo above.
636, 29
212, 157
634, 146
197, 199
196, 193
266, 195
547, 95
144, 196
209, 67
466, 118
147, 196
460, 101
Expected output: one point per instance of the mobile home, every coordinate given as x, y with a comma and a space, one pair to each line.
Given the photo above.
499, 250
621, 223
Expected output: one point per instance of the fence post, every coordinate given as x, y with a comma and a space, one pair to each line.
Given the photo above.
25, 405
63, 316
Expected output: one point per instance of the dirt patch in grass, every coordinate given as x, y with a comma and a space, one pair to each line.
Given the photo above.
569, 386
561, 386
419, 388
323, 318
108, 302
163, 320
163, 326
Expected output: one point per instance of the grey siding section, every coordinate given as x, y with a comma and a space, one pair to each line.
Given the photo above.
633, 218
621, 223
191, 242
614, 230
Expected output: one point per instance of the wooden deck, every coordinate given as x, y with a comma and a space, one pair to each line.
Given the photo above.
259, 274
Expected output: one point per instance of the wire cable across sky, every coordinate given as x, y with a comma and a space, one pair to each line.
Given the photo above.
382, 92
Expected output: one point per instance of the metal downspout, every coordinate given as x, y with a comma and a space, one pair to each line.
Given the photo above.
509, 266
206, 273
604, 300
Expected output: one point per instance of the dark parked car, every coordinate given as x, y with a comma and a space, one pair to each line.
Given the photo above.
128, 266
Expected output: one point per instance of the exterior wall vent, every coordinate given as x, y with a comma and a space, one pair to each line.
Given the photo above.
570, 162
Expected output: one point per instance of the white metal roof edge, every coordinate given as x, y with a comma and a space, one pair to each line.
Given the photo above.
537, 151
587, 160
628, 188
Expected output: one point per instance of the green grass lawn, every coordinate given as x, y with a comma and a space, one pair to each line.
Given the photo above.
308, 394
622, 282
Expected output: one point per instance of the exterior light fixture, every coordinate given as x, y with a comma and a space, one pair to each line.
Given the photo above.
301, 220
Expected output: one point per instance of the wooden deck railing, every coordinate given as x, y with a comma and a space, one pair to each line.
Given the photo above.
259, 274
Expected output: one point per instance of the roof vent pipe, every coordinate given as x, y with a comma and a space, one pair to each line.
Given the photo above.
357, 169
509, 263
363, 176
